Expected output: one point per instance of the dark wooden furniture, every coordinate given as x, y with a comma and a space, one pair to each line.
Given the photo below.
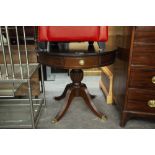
134, 73
76, 56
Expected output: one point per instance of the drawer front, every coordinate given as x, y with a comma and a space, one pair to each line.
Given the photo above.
83, 62
138, 100
144, 36
142, 78
145, 28
143, 54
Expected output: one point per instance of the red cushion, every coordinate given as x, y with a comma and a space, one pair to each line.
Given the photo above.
73, 33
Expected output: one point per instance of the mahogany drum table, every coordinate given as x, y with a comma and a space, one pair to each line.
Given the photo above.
75, 57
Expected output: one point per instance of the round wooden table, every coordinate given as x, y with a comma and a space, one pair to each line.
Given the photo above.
75, 57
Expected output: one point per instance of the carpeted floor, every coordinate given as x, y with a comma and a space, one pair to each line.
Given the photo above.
79, 116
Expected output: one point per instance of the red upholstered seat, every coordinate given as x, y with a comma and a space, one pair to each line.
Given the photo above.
73, 33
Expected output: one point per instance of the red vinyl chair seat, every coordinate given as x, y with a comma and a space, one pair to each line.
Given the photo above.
72, 33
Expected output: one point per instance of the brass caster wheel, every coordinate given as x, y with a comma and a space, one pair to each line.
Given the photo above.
54, 121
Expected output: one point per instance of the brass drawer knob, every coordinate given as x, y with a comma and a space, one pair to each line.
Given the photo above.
153, 79
81, 62
151, 103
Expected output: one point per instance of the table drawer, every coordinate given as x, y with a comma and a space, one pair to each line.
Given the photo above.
83, 62
142, 78
141, 100
143, 54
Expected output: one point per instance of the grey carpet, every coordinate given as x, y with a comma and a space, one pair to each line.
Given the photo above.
78, 115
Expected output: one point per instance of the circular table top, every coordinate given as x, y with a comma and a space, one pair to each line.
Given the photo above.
77, 55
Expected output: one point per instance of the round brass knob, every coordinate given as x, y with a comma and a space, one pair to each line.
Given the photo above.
81, 62
153, 79
151, 103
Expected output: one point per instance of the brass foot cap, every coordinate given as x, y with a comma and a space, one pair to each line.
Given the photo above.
103, 118
54, 121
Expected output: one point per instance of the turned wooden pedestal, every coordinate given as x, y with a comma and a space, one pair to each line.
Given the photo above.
77, 89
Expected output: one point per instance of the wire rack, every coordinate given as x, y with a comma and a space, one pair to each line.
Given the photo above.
14, 73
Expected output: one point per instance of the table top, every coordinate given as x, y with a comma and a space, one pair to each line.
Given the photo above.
78, 49
80, 55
